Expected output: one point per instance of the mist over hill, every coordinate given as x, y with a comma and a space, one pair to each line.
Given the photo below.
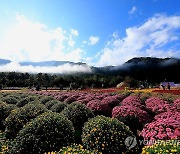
140, 68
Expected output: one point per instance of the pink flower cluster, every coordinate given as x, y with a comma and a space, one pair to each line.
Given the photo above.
168, 115
163, 129
133, 101
157, 105
99, 108
100, 103
123, 111
131, 106
177, 104
111, 101
166, 124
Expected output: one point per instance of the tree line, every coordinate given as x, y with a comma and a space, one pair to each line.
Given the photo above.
14, 79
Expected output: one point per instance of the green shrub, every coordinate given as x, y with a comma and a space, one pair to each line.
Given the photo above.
25, 101
45, 99
145, 96
5, 110
169, 97
3, 94
48, 132
132, 122
10, 99
3, 146
58, 107
19, 117
50, 103
75, 149
126, 93
2, 113
163, 147
78, 114
106, 135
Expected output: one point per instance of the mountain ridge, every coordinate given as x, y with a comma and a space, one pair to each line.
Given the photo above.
140, 68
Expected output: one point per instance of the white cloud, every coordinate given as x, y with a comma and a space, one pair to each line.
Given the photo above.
84, 42
147, 39
71, 43
34, 41
115, 34
93, 40
75, 55
74, 32
134, 9
66, 68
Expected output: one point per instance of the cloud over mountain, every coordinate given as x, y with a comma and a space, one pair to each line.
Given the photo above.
148, 39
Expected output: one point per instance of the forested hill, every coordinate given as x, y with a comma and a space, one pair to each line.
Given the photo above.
146, 68
140, 68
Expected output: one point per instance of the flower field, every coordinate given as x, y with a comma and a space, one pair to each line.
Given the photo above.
88, 122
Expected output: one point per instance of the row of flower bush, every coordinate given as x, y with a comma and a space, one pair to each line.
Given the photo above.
157, 118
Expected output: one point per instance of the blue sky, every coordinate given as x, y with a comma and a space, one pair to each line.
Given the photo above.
98, 32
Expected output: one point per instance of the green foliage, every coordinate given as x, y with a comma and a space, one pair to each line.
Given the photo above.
45, 99
5, 110
106, 135
132, 122
19, 117
25, 101
75, 149
144, 96
3, 146
2, 113
126, 93
58, 107
10, 99
48, 132
163, 147
50, 103
78, 114
169, 97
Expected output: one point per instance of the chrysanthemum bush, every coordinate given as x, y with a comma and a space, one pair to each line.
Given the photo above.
19, 117
177, 104
78, 114
168, 115
61, 97
70, 99
99, 108
144, 96
58, 107
106, 135
50, 103
45, 99
123, 111
132, 116
76, 148
111, 101
3, 146
10, 99
5, 110
26, 100
134, 101
162, 129
48, 132
163, 147
168, 97
157, 105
